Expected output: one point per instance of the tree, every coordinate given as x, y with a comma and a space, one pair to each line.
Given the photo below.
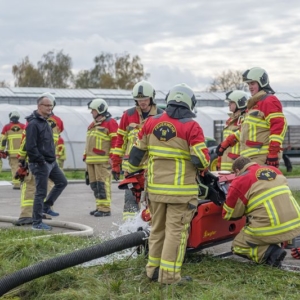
26, 75
56, 69
228, 81
112, 72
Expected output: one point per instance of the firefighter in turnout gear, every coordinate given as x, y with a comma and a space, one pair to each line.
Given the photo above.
264, 126
28, 182
261, 193
173, 144
130, 124
10, 141
101, 138
237, 102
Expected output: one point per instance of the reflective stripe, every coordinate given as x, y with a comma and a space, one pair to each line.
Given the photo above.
166, 189
254, 151
272, 213
229, 211
270, 230
122, 132
179, 172
153, 261
252, 253
168, 152
263, 197
97, 159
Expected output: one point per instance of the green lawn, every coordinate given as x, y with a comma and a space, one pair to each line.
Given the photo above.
213, 278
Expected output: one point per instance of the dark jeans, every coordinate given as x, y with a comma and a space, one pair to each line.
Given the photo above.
41, 174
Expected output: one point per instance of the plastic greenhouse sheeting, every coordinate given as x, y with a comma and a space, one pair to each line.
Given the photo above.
77, 118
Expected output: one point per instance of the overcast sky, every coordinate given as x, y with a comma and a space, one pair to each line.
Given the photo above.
178, 41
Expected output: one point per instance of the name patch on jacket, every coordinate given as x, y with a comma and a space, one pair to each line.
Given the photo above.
164, 131
265, 174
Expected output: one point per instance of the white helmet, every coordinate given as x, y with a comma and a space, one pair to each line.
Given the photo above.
143, 89
240, 98
99, 105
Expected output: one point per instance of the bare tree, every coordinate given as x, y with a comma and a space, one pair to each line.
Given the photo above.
112, 72
227, 81
56, 69
4, 84
26, 75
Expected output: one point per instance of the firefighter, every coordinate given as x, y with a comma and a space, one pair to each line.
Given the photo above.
101, 138
10, 143
26, 177
261, 193
130, 124
61, 152
174, 146
237, 102
264, 127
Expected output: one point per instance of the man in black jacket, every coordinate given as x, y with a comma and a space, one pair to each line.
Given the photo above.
42, 161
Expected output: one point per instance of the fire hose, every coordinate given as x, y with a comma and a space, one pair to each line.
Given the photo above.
72, 259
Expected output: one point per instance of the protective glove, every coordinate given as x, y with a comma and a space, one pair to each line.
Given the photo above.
116, 166
272, 157
295, 252
230, 141
84, 157
22, 171
3, 154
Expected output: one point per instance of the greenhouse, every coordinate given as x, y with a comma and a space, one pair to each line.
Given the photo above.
77, 118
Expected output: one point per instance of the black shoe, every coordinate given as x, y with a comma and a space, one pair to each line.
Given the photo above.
276, 256
155, 275
93, 212
102, 213
23, 221
184, 280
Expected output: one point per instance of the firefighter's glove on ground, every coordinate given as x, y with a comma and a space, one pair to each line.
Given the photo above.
295, 252
230, 141
272, 157
3, 154
22, 171
116, 162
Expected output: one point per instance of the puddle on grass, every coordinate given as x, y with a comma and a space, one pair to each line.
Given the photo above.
119, 229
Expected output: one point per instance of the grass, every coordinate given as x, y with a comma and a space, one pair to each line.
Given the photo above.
213, 278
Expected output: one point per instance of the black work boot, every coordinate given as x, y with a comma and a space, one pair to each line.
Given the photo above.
154, 277
102, 213
93, 212
274, 256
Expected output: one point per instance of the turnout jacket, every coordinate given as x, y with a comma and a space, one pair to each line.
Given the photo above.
175, 149
130, 124
39, 142
264, 123
10, 139
60, 149
233, 124
261, 194
100, 140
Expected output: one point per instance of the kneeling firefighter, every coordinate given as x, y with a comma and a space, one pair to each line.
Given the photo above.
174, 147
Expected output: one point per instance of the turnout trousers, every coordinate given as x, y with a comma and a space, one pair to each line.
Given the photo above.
168, 238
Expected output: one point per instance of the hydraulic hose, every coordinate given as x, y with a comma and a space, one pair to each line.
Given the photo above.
52, 265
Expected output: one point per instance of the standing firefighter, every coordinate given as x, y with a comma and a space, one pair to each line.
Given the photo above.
261, 193
101, 138
130, 124
10, 142
264, 127
174, 145
237, 102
